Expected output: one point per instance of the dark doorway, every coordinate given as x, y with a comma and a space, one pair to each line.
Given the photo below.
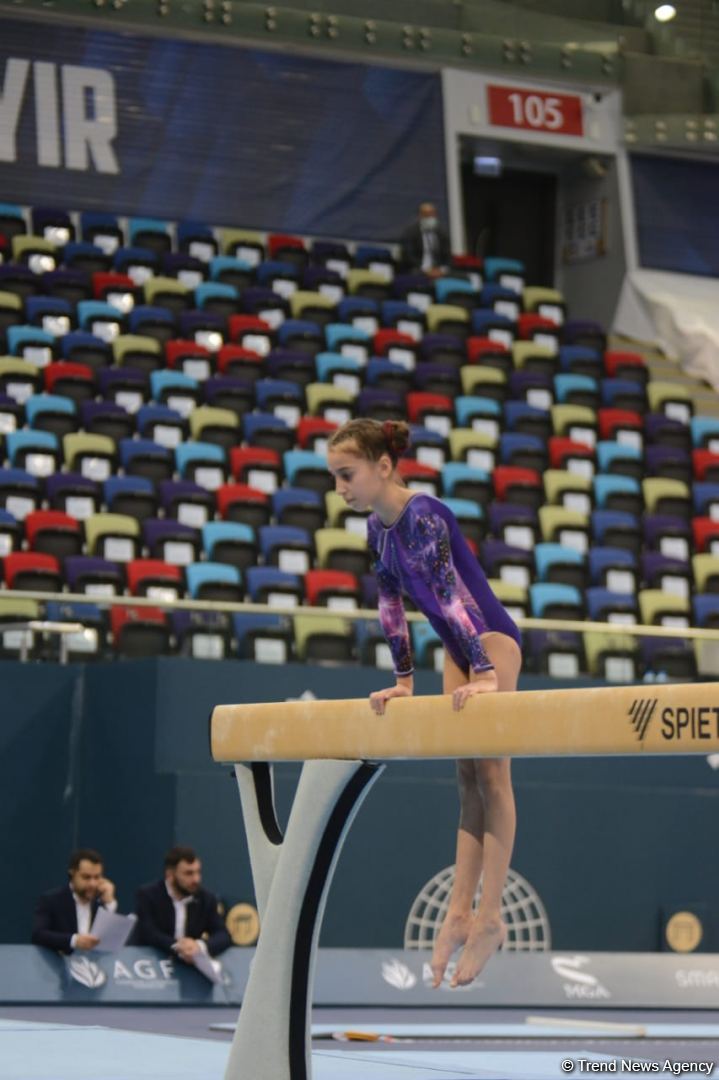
512, 215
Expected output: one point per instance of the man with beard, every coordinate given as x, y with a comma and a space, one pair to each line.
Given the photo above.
176, 914
63, 918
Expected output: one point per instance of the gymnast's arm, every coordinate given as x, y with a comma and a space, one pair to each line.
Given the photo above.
394, 626
442, 580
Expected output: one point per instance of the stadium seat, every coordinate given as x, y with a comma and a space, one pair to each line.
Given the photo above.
512, 565
155, 579
287, 546
606, 606
306, 469
53, 413
133, 496
139, 631
614, 569
214, 581
32, 571
142, 457
93, 456
229, 542
203, 635
240, 502
268, 639
270, 585
562, 526
53, 533
115, 537
201, 462
20, 492
189, 503
256, 466
335, 589
37, 452
659, 608
565, 488
552, 600
321, 639
559, 564
613, 658
300, 507
338, 549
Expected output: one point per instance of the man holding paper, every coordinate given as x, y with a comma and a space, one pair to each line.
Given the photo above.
178, 915
64, 917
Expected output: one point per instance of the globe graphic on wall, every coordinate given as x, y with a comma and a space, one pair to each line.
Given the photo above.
522, 910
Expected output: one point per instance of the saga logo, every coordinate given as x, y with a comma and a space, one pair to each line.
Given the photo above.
86, 972
578, 984
398, 975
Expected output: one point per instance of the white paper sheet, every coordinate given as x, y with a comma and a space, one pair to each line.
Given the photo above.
208, 967
113, 930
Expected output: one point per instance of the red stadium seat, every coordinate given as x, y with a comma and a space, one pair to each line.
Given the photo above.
241, 502
530, 324
251, 327
562, 451
33, 571
413, 471
178, 350
706, 466
625, 365
54, 533
139, 631
706, 535
421, 405
154, 578
76, 381
105, 284
612, 421
482, 350
386, 339
322, 587
513, 484
249, 462
236, 361
311, 429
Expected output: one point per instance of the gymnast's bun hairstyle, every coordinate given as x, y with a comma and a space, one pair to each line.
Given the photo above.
372, 439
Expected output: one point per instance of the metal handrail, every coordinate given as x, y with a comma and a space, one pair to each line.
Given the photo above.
698, 633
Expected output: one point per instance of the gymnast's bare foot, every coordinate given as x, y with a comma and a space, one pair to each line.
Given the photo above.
454, 932
485, 937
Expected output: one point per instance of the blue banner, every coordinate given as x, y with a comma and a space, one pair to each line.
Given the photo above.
675, 208
145, 126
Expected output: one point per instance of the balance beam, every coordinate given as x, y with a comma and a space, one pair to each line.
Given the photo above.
343, 745
664, 719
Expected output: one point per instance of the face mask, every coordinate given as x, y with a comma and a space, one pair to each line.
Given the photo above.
428, 223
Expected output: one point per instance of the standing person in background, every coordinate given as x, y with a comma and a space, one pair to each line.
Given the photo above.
177, 914
425, 244
418, 548
63, 917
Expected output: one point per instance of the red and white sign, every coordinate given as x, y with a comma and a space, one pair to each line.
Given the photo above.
535, 110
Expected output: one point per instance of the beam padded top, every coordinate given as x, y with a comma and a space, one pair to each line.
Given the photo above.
665, 719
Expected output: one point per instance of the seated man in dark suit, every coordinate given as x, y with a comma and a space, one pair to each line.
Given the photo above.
425, 244
63, 918
177, 914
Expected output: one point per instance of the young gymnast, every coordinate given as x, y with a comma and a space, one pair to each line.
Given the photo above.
418, 549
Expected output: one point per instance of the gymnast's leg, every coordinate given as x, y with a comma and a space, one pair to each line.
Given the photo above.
485, 838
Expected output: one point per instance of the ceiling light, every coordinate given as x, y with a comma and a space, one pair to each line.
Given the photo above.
665, 12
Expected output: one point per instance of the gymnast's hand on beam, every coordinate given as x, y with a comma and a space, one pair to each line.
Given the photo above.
379, 698
484, 682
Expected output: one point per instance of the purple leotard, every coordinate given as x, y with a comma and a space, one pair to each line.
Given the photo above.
424, 554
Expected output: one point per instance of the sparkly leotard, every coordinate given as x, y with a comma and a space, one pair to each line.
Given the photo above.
424, 554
